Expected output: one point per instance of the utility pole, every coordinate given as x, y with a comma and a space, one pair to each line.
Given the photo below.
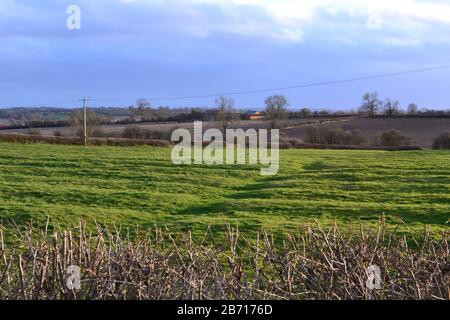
85, 119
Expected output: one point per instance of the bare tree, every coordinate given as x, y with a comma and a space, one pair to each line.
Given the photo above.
143, 109
225, 112
370, 105
391, 108
93, 122
305, 112
30, 118
412, 109
276, 109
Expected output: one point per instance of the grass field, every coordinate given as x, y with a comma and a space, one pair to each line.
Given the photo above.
140, 185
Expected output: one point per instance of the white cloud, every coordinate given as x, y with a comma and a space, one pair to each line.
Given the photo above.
306, 10
374, 22
402, 20
289, 11
289, 21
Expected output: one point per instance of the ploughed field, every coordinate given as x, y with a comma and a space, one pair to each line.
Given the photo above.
422, 132
140, 186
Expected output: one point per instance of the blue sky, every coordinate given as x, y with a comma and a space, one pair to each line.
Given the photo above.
128, 49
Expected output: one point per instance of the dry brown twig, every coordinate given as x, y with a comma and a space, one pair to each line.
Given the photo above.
155, 264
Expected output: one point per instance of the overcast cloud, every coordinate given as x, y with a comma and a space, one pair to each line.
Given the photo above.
128, 49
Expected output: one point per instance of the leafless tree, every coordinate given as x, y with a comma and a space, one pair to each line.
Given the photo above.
276, 109
391, 108
412, 109
31, 118
142, 109
305, 112
225, 112
370, 105
93, 122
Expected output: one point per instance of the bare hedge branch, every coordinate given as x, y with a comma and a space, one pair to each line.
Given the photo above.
155, 264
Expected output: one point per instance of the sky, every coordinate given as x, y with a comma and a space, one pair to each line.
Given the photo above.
157, 49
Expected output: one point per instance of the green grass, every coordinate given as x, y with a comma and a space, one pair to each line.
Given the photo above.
140, 185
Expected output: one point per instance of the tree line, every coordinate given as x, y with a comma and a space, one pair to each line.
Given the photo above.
275, 110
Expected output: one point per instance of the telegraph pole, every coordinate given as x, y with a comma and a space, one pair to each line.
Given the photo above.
85, 119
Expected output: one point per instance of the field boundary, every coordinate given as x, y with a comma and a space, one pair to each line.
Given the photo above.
25, 138
122, 142
297, 145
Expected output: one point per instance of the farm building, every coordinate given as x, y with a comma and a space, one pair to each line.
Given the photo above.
255, 115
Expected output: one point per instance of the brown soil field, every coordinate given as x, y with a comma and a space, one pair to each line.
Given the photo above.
422, 131
244, 124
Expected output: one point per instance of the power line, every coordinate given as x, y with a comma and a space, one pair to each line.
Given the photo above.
245, 92
307, 85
